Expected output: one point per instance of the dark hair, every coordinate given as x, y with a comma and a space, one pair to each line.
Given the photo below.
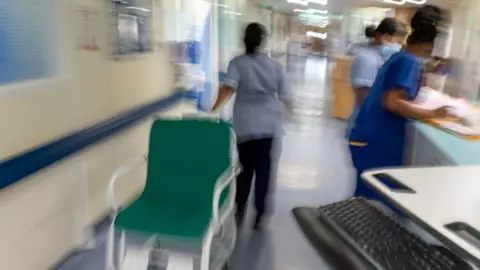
401, 29
424, 24
254, 36
370, 31
387, 26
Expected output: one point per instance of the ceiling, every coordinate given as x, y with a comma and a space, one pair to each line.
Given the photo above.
333, 5
284, 6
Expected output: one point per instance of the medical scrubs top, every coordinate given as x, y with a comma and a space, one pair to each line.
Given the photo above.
260, 84
353, 49
363, 71
376, 125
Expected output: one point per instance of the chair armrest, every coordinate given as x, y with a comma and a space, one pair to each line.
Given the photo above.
119, 172
225, 180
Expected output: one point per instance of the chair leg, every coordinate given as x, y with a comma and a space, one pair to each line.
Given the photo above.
206, 248
109, 264
121, 250
234, 235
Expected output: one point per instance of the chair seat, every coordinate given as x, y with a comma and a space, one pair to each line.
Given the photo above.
188, 220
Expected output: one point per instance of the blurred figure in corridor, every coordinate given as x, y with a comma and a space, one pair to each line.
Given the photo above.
260, 86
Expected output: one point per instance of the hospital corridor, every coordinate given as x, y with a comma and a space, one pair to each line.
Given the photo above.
239, 135
313, 170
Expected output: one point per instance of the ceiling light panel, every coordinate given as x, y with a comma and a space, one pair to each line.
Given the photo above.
233, 13
403, 2
310, 11
317, 35
298, 2
306, 2
320, 2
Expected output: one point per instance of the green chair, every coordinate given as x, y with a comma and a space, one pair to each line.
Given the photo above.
190, 188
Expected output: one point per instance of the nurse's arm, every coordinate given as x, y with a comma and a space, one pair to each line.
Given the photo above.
224, 94
285, 91
396, 101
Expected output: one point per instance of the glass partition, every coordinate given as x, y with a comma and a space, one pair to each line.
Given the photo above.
356, 20
464, 52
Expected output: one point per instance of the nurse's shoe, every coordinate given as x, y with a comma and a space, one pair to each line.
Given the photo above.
239, 216
259, 222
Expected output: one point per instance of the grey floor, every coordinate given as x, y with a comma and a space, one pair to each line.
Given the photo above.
314, 170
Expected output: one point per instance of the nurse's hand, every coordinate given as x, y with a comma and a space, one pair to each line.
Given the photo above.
442, 112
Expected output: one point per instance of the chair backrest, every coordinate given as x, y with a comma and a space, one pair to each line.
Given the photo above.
186, 157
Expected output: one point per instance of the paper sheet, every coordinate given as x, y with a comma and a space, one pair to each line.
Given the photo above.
430, 100
460, 129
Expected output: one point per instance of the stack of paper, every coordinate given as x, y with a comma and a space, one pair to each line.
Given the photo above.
460, 129
430, 100
469, 126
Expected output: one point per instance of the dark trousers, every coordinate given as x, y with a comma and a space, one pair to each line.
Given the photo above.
373, 157
255, 158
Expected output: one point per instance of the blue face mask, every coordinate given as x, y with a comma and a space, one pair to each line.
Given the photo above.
388, 50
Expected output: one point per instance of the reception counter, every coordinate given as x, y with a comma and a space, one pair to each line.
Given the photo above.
428, 146
343, 98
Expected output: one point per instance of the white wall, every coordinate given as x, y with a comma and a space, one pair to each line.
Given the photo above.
44, 215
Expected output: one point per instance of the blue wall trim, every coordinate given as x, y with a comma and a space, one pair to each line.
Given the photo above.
27, 163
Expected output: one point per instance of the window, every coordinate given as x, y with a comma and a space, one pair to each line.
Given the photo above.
28, 40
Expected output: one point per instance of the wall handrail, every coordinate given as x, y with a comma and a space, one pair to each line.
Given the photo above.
31, 161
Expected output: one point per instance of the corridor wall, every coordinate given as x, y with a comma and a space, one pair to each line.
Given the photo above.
232, 18
47, 215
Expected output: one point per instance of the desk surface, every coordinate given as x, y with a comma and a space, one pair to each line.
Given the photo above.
461, 152
442, 196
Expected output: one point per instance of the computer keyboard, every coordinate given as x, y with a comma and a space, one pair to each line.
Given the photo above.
383, 241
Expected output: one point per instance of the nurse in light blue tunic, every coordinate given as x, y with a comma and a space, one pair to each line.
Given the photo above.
260, 85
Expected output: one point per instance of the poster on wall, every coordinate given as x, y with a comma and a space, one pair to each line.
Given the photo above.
131, 30
87, 26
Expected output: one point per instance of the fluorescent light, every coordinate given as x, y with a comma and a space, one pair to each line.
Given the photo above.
233, 13
323, 11
300, 10
215, 4
220, 5
138, 8
298, 2
320, 2
395, 2
417, 2
317, 35
403, 2
316, 24
310, 11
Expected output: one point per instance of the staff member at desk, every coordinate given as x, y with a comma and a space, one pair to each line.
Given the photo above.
377, 138
369, 59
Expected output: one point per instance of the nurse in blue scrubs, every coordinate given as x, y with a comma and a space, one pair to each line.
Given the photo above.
368, 60
377, 138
